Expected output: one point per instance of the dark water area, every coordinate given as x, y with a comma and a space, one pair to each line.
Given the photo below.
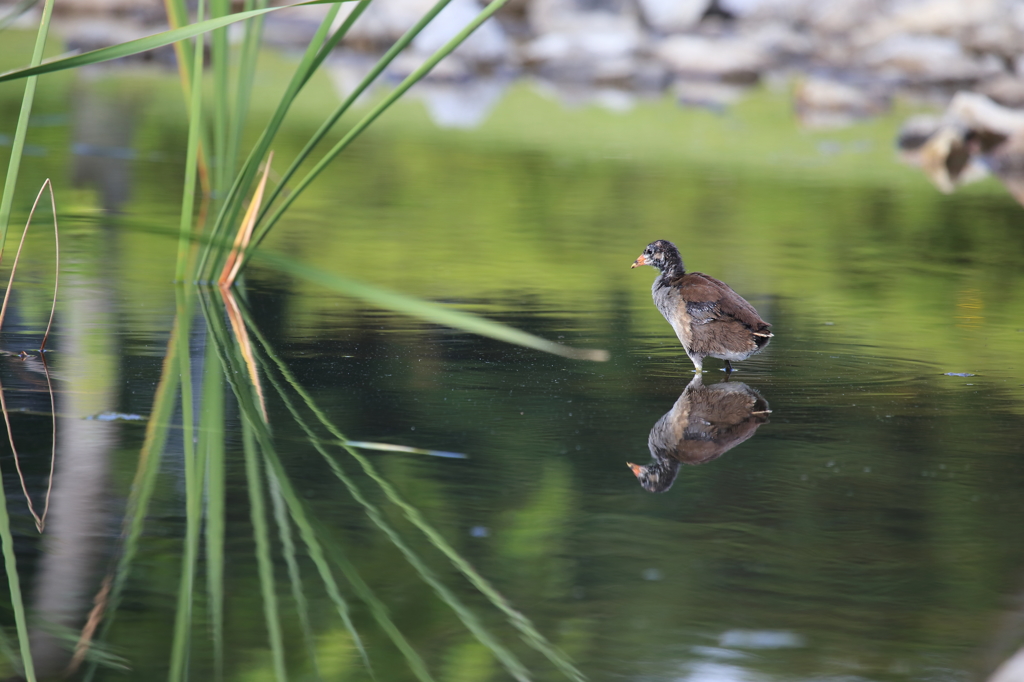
868, 527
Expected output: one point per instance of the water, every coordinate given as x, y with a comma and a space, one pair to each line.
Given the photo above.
867, 529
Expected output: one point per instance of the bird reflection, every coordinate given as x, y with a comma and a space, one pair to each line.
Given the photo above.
704, 424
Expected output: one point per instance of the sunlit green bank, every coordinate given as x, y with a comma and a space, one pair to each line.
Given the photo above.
874, 521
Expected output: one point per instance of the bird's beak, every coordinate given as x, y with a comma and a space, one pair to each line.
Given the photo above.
635, 468
639, 261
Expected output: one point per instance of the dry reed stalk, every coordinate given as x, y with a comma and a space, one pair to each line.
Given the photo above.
40, 521
244, 344
89, 630
175, 21
233, 263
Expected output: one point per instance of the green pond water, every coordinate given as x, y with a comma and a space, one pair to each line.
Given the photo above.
868, 528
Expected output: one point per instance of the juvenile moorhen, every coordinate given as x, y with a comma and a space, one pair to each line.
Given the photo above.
707, 315
704, 424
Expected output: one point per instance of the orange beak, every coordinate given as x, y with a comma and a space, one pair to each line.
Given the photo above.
635, 468
639, 261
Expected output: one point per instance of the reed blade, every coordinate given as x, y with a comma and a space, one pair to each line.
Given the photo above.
425, 310
294, 576
312, 57
211, 444
19, 8
21, 131
234, 263
261, 535
140, 45
193, 495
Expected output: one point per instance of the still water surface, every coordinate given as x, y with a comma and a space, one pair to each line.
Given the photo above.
867, 528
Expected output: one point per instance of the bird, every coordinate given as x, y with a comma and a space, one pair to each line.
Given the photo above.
709, 318
704, 424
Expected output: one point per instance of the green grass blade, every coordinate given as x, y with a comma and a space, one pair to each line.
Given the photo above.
195, 126
294, 577
19, 8
223, 164
374, 113
425, 310
21, 131
211, 444
265, 565
232, 206
246, 76
374, 73
193, 493
133, 47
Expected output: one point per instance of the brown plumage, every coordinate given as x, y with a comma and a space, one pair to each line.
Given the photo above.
709, 318
704, 424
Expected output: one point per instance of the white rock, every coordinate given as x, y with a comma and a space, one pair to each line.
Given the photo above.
786, 10
581, 16
462, 105
777, 38
384, 21
929, 58
487, 44
708, 94
713, 57
583, 45
672, 16
823, 103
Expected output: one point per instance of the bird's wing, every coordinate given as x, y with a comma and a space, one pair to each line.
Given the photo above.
710, 300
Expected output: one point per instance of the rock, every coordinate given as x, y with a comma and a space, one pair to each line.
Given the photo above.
842, 17
486, 44
672, 16
935, 17
1004, 89
978, 113
295, 26
780, 40
451, 68
84, 33
462, 105
583, 45
724, 58
930, 59
707, 94
384, 21
122, 7
823, 103
974, 136
790, 11
583, 16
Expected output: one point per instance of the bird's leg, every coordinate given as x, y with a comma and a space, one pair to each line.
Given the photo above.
728, 367
698, 362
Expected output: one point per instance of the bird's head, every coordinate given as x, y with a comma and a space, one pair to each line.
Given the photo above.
661, 254
656, 477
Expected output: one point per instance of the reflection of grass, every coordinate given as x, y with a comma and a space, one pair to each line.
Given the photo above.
265, 475
521, 623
